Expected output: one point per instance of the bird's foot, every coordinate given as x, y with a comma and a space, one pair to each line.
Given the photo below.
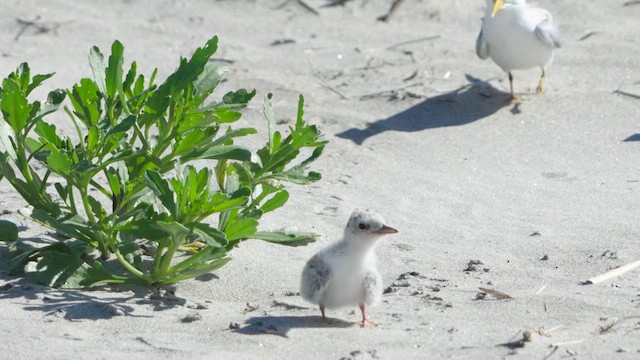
513, 100
364, 322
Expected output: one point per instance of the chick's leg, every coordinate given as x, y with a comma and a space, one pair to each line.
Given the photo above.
364, 320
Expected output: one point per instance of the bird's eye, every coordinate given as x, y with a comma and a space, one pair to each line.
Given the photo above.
362, 226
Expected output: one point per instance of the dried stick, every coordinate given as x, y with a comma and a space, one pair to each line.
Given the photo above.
612, 273
497, 294
433, 37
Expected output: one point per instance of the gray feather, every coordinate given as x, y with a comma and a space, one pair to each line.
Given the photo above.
482, 48
315, 279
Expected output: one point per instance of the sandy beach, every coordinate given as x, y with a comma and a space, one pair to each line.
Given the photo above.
530, 200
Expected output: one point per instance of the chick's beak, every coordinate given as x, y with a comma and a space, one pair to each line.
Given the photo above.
385, 230
497, 5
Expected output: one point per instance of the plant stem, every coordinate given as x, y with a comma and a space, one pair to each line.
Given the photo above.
166, 259
132, 269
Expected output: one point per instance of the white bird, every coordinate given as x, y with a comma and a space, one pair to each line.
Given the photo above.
346, 273
518, 36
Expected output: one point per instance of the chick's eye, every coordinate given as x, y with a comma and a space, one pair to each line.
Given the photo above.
362, 226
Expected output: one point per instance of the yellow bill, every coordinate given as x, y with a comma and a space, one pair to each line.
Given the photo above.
497, 5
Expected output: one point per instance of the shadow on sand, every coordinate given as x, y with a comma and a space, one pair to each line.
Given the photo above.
280, 325
77, 305
474, 101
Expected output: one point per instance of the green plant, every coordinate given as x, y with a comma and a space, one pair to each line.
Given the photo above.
134, 147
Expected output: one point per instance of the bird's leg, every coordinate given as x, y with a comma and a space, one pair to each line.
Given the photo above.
540, 87
512, 99
324, 319
364, 320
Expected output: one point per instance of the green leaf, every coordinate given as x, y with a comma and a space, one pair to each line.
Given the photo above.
53, 266
238, 99
285, 237
278, 200
131, 252
124, 125
218, 152
36, 81
271, 122
14, 105
48, 134
92, 275
296, 175
210, 78
185, 75
241, 229
58, 162
197, 270
299, 121
175, 230
114, 70
85, 98
225, 115
69, 225
212, 237
8, 230
6, 136
161, 189
96, 60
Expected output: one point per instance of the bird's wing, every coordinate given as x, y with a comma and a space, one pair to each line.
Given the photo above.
547, 32
372, 287
316, 277
482, 48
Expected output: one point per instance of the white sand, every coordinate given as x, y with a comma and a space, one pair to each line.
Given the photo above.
462, 175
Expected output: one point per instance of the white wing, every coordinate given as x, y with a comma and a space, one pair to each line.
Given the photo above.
316, 277
547, 32
482, 48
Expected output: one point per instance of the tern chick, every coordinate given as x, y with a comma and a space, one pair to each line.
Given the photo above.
518, 36
346, 272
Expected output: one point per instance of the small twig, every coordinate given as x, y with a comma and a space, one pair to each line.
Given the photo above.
427, 38
551, 353
25, 25
497, 294
394, 7
333, 3
629, 3
613, 273
323, 82
587, 35
541, 289
308, 7
331, 88
635, 96
571, 342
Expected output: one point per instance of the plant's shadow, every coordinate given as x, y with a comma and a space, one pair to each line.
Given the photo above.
280, 325
474, 101
77, 305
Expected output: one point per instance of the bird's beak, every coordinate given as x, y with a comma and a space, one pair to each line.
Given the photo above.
385, 230
497, 5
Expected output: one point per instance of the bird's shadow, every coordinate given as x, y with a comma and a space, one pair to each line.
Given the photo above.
280, 325
473, 101
632, 138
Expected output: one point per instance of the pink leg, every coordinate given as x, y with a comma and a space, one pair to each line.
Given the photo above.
364, 320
